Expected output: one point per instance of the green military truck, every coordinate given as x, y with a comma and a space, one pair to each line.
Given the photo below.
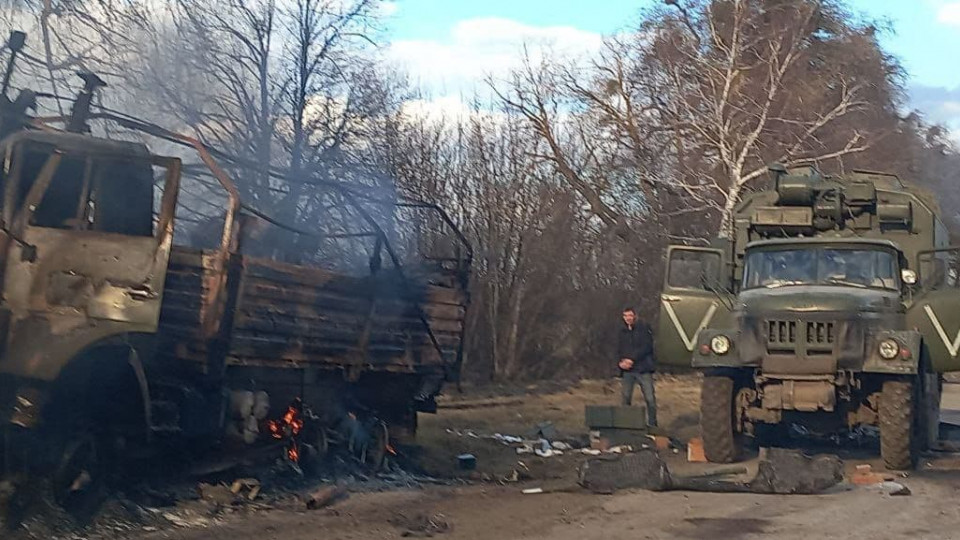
834, 305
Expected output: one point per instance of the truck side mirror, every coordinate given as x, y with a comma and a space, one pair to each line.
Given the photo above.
909, 277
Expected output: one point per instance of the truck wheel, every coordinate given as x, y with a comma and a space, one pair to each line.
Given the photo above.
375, 455
716, 420
897, 435
79, 480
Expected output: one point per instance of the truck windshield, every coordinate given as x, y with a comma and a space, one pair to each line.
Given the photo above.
865, 268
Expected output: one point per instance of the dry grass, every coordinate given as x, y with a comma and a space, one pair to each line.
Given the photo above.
678, 399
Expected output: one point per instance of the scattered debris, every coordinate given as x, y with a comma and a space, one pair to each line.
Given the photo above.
188, 520
601, 444
544, 449
533, 491
325, 496
543, 430
864, 476
467, 462
695, 452
217, 494
660, 442
250, 485
480, 403
895, 489
521, 473
507, 439
481, 477
421, 525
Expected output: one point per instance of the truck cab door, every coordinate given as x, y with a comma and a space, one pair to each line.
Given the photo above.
695, 296
935, 311
90, 258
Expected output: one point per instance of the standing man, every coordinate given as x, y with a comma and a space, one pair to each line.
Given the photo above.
635, 349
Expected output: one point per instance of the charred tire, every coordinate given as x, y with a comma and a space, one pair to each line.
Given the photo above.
78, 484
720, 443
375, 454
898, 438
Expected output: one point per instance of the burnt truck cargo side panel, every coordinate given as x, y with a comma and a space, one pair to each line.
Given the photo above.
291, 316
287, 313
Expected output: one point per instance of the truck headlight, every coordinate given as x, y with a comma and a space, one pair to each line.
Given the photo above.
888, 349
720, 345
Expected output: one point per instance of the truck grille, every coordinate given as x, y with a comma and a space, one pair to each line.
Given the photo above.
782, 333
820, 333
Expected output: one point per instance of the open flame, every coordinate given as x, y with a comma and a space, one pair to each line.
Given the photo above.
289, 426
293, 453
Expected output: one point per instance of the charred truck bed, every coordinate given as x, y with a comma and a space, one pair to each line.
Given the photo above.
385, 342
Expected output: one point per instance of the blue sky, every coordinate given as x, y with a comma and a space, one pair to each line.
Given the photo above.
448, 45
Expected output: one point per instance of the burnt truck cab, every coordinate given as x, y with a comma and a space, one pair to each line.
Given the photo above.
834, 306
83, 258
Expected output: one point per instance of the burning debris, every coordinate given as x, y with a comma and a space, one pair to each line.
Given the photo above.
288, 428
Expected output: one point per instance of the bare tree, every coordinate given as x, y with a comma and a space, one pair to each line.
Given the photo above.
703, 97
757, 82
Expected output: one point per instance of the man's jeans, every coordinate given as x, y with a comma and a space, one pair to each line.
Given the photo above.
646, 386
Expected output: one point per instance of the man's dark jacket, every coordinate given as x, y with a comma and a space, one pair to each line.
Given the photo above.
636, 344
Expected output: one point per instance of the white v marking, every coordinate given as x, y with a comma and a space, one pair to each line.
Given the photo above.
952, 347
691, 341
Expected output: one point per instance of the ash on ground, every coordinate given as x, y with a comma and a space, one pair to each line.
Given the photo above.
201, 495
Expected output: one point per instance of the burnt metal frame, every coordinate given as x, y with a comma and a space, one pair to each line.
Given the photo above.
20, 217
351, 194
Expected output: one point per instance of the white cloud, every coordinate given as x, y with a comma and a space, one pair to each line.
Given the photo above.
445, 108
388, 8
480, 47
949, 13
951, 108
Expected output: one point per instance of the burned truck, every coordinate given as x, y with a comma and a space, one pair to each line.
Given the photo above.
115, 340
834, 307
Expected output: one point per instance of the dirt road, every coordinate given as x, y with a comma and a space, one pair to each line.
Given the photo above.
491, 508
478, 513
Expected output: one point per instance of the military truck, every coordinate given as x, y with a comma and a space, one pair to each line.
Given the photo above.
113, 339
833, 306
